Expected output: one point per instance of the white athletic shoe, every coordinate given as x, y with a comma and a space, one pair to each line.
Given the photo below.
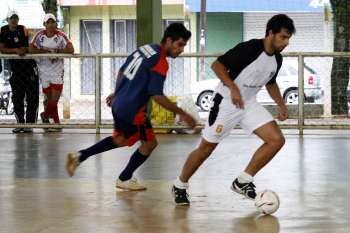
131, 185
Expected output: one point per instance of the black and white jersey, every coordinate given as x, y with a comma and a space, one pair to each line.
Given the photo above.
250, 67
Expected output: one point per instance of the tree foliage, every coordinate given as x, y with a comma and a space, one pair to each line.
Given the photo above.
50, 6
340, 67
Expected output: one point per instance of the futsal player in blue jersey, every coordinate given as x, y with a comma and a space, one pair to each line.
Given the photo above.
140, 78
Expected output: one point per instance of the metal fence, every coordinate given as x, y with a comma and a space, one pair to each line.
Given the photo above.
89, 79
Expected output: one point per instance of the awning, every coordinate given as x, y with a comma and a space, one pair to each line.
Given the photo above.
257, 5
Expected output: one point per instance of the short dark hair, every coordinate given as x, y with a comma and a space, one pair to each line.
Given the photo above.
176, 31
277, 22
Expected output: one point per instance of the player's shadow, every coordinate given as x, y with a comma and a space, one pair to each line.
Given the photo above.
127, 196
180, 218
155, 212
256, 223
26, 156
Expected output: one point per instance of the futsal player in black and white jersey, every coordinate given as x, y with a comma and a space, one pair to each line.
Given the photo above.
243, 71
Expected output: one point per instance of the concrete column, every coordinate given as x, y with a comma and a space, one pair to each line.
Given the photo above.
67, 72
148, 21
106, 62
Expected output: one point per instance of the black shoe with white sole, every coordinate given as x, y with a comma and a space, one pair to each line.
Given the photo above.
246, 189
180, 196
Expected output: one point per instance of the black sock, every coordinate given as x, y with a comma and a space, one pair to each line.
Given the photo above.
102, 146
136, 160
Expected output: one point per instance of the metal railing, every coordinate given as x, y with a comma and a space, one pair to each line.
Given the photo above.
188, 71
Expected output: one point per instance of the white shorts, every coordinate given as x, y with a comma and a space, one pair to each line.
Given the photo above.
224, 116
47, 80
51, 72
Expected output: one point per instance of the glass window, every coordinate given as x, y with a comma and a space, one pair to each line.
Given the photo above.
90, 42
123, 42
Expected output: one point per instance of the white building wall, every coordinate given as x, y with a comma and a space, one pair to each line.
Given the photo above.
310, 31
313, 34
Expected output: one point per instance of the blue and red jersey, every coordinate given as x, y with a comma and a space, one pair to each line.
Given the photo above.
142, 76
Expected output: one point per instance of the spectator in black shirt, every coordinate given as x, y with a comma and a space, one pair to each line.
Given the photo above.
24, 80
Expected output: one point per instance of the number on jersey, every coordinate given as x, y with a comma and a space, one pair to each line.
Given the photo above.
133, 66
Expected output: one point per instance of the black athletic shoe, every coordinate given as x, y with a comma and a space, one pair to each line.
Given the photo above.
17, 130
180, 196
246, 189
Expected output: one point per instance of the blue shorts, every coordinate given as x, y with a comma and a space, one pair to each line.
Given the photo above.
132, 132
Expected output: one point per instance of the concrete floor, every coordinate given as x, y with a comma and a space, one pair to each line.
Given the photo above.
310, 174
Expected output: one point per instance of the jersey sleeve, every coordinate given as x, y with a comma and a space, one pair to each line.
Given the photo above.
65, 40
158, 74
232, 57
242, 55
35, 40
279, 60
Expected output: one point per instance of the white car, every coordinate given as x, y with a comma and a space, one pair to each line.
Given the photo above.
287, 80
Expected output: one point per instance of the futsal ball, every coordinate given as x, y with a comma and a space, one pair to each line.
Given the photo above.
267, 201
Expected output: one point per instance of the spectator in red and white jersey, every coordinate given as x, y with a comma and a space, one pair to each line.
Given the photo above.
51, 70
